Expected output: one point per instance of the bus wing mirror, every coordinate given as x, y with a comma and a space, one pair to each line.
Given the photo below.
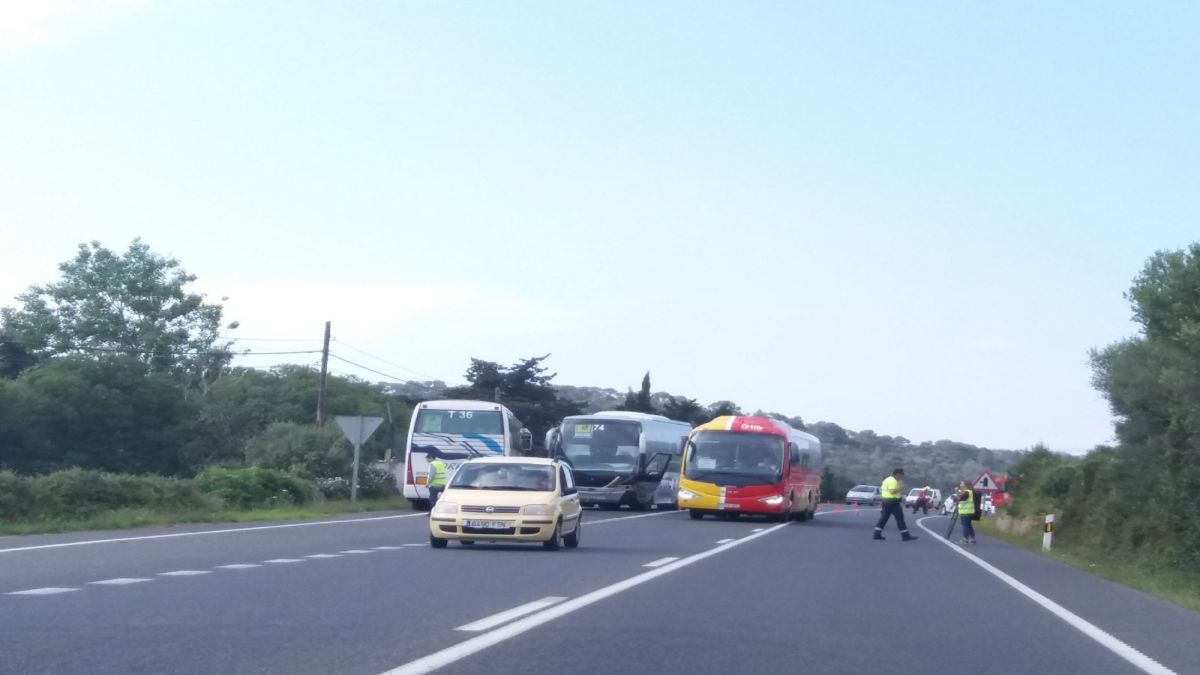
526, 440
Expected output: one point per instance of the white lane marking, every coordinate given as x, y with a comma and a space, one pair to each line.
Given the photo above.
283, 561
640, 515
386, 548
1107, 640
757, 529
356, 550
43, 591
123, 581
724, 541
480, 642
510, 614
238, 566
203, 532
415, 545
183, 573
660, 562
320, 556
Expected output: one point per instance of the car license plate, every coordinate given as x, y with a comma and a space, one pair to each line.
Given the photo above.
731, 506
489, 524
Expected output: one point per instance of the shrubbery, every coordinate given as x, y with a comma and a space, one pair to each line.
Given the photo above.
76, 493
253, 487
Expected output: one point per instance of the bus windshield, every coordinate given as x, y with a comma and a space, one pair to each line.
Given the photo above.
734, 458
460, 422
602, 445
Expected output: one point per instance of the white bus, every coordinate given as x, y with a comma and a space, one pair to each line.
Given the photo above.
618, 457
455, 431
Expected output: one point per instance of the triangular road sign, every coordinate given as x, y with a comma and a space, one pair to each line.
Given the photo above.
358, 428
986, 482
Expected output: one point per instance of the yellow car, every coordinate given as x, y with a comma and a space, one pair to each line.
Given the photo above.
509, 499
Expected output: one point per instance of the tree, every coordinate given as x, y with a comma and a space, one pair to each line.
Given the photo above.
641, 401
723, 408
134, 304
685, 409
14, 357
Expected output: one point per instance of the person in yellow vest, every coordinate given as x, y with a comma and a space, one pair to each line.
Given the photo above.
966, 511
892, 491
436, 479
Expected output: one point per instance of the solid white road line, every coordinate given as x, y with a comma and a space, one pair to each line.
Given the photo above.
1116, 646
640, 515
203, 532
238, 566
320, 556
724, 541
356, 550
480, 642
283, 561
43, 591
660, 562
124, 581
183, 573
514, 613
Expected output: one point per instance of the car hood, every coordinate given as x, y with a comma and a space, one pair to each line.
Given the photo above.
497, 497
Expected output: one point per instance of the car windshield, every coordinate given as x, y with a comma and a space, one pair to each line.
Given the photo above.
734, 458
602, 445
460, 422
494, 476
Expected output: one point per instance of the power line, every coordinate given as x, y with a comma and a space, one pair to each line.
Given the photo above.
167, 352
377, 372
383, 360
250, 339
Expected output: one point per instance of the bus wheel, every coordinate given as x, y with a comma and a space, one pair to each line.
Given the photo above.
802, 516
695, 515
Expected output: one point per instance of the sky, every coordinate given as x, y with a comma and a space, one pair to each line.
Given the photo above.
915, 218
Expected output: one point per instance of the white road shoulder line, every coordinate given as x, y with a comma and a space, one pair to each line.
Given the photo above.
238, 566
660, 562
183, 573
123, 581
620, 518
43, 591
510, 614
1116, 646
483, 641
283, 561
172, 535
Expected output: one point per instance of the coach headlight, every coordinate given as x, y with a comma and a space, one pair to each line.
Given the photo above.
773, 500
687, 495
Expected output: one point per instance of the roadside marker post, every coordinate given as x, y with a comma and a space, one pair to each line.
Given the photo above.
357, 429
1048, 532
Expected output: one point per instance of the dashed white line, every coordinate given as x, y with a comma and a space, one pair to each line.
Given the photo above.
386, 548
660, 562
1116, 646
283, 561
725, 541
481, 642
123, 581
183, 573
757, 529
322, 556
510, 614
414, 545
43, 591
238, 566
356, 550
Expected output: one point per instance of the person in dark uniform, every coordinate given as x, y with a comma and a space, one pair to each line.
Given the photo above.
891, 490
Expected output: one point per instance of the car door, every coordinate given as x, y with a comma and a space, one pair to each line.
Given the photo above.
572, 511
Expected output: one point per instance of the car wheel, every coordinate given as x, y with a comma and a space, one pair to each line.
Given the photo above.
555, 539
572, 540
437, 542
695, 515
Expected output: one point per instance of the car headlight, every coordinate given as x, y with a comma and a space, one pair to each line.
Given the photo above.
536, 510
446, 507
687, 494
773, 500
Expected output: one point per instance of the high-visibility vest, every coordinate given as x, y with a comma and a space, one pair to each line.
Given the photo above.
966, 507
437, 473
891, 488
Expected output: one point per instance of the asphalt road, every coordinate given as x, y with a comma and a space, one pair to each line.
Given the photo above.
647, 593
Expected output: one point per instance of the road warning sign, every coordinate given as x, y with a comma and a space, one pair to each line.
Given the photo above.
985, 483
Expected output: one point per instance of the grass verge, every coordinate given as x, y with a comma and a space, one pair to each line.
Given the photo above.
1170, 585
122, 519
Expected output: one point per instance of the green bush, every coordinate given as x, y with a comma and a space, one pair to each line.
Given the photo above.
79, 493
375, 483
301, 449
254, 487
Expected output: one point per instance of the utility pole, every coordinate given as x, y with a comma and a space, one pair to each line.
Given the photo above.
321, 394
497, 394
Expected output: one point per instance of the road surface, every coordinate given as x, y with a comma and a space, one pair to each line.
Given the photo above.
647, 593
